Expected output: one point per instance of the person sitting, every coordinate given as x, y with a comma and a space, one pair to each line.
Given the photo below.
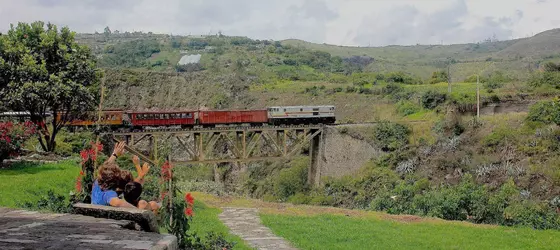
111, 181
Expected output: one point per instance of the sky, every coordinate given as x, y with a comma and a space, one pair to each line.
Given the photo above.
339, 22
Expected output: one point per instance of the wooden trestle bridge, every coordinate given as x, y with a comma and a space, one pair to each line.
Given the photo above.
236, 144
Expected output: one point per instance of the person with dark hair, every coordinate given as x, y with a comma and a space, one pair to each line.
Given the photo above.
132, 192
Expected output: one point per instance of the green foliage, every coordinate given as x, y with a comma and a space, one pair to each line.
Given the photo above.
292, 180
431, 99
547, 78
391, 136
13, 136
50, 202
132, 54
551, 67
44, 63
402, 78
439, 76
407, 108
547, 112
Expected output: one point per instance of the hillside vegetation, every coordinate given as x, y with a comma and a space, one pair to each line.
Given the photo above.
499, 169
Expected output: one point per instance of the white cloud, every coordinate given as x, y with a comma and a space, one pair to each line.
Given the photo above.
348, 22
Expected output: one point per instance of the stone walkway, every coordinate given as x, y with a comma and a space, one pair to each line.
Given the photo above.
245, 223
20, 229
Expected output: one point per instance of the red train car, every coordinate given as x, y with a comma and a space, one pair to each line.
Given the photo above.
233, 116
163, 118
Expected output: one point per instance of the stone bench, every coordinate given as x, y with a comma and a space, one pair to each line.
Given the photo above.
146, 220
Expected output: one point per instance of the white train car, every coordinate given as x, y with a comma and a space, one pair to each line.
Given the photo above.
301, 115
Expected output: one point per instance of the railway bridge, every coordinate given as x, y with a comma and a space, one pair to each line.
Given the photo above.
230, 144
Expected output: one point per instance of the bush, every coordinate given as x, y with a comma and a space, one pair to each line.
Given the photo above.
12, 137
392, 88
547, 112
51, 202
299, 198
391, 136
432, 99
407, 108
292, 180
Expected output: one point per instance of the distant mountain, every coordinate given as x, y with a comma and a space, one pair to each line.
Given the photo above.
514, 57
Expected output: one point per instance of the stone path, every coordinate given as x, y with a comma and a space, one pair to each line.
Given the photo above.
20, 229
245, 223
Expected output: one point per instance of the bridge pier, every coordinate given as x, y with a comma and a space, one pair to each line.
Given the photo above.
314, 171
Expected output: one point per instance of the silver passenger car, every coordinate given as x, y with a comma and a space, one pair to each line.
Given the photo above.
301, 115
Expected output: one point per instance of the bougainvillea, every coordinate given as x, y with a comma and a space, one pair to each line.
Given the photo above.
84, 181
12, 137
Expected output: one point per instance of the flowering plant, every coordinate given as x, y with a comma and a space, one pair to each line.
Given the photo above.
12, 137
84, 181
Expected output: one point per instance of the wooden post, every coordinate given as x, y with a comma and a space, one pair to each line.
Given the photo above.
477, 97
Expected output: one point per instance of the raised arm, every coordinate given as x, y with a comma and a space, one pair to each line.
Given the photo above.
117, 151
142, 172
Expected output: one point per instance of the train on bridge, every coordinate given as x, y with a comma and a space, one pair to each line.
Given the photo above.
119, 120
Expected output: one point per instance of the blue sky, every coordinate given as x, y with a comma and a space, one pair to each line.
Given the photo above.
341, 22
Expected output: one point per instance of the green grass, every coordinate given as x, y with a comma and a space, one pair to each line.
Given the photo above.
341, 232
206, 220
26, 182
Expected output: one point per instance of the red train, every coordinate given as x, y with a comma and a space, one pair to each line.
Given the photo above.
136, 120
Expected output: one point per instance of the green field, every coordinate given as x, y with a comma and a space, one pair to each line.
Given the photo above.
341, 232
27, 182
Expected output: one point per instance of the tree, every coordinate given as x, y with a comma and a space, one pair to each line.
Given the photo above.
43, 69
107, 31
551, 67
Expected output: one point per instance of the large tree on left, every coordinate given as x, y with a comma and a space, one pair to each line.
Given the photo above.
43, 69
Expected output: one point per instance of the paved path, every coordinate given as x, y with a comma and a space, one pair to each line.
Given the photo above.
245, 223
20, 229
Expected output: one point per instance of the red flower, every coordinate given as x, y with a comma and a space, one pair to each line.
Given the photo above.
166, 171
85, 155
82, 173
99, 146
78, 185
189, 211
189, 199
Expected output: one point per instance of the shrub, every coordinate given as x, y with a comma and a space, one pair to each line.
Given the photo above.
545, 111
299, 198
392, 88
12, 137
51, 202
432, 99
350, 89
391, 136
407, 108
366, 91
291, 180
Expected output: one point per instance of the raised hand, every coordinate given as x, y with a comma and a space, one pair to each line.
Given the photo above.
136, 162
119, 148
145, 168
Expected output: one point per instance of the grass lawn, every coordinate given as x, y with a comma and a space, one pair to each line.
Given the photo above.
341, 232
23, 182
312, 227
206, 220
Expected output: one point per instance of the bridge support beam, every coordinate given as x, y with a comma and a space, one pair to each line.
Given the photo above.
314, 171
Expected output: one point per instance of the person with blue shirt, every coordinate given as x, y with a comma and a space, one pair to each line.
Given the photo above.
111, 181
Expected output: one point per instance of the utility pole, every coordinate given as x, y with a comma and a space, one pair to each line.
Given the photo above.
477, 98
